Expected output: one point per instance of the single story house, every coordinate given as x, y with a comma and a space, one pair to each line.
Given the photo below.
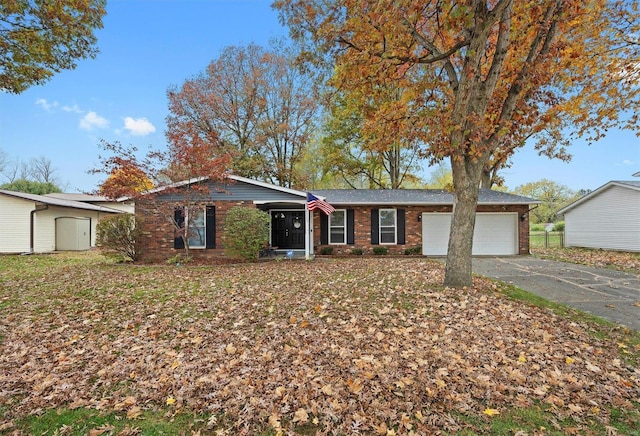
32, 223
607, 218
398, 219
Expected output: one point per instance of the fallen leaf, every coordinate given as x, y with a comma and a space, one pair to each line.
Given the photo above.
134, 412
300, 416
355, 386
327, 390
491, 412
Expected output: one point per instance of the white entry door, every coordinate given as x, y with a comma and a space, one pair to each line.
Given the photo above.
495, 234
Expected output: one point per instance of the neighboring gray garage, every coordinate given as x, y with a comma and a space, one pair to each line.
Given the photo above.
494, 234
607, 218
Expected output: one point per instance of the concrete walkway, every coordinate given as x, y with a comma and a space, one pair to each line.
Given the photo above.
609, 294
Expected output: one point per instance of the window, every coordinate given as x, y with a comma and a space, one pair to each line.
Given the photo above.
387, 220
201, 224
338, 227
197, 229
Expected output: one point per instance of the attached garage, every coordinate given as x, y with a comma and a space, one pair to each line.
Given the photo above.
494, 234
420, 222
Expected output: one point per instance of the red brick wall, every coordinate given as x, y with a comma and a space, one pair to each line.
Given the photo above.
413, 228
156, 244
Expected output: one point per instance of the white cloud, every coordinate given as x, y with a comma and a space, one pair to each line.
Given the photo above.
92, 120
139, 126
46, 105
628, 162
74, 109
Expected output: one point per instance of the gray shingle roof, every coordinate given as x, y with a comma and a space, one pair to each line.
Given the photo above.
409, 197
629, 183
58, 202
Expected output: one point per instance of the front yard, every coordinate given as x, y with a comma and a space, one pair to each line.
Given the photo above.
333, 346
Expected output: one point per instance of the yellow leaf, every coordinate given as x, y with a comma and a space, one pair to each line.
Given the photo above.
521, 358
175, 364
304, 324
300, 416
491, 412
568, 360
279, 391
316, 421
230, 349
171, 401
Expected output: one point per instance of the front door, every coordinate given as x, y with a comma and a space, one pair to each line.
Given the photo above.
287, 229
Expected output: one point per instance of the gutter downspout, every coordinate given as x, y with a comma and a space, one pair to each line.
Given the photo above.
32, 227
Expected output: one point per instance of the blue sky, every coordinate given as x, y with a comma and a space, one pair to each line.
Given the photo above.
148, 45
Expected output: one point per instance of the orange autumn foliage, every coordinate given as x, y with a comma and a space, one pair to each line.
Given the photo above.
476, 79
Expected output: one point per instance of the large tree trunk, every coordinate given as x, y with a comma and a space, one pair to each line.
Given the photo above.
466, 180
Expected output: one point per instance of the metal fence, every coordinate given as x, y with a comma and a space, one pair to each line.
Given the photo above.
546, 239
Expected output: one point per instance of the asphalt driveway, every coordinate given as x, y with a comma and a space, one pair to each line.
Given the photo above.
609, 294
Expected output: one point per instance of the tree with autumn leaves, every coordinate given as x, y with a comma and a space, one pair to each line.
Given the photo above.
167, 185
477, 78
259, 105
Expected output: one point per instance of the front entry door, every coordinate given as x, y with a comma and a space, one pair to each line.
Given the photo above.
287, 229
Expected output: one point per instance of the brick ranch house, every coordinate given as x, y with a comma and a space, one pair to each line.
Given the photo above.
396, 218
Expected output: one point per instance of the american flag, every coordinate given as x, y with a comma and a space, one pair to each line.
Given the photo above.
314, 203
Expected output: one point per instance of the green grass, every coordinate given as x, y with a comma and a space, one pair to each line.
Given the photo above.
544, 239
81, 421
536, 419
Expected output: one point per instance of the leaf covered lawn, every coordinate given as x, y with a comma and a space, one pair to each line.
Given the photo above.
337, 346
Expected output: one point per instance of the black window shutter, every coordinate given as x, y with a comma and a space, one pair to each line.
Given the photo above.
324, 229
375, 223
178, 216
400, 215
211, 226
351, 239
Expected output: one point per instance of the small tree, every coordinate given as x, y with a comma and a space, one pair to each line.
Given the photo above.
31, 187
117, 235
246, 232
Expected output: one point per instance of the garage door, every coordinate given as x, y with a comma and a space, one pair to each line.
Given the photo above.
495, 234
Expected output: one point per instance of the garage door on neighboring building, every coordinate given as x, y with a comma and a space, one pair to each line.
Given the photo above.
494, 234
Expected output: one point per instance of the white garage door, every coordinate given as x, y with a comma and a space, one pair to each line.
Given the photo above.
494, 234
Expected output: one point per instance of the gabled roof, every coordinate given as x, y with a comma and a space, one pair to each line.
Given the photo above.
413, 197
632, 184
52, 201
229, 176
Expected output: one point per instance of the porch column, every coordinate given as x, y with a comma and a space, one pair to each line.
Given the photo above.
308, 239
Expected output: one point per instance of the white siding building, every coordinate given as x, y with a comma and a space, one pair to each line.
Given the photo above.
28, 221
607, 218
